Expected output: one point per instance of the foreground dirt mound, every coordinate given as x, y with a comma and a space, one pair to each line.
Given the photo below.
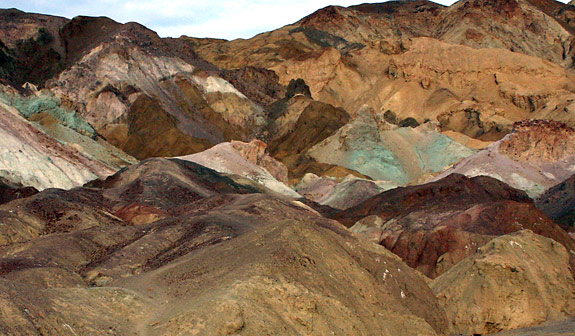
514, 281
434, 226
168, 247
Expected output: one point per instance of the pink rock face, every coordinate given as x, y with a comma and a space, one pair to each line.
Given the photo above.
536, 156
255, 152
249, 162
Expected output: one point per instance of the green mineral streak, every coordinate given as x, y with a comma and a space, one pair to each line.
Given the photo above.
440, 151
369, 156
47, 103
378, 163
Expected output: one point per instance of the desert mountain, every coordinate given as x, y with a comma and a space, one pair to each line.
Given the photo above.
121, 78
473, 69
273, 185
388, 57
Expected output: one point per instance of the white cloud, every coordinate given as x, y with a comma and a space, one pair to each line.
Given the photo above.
199, 18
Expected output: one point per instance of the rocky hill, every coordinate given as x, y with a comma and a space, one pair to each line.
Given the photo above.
536, 156
434, 226
168, 246
498, 282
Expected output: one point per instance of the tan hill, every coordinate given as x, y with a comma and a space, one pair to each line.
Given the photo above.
407, 57
516, 280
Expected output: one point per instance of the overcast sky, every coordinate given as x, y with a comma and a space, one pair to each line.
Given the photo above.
198, 18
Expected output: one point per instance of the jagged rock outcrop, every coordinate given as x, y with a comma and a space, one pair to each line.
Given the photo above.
536, 156
434, 226
517, 280
271, 258
255, 152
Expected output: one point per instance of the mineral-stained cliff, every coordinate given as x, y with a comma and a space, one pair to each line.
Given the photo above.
53, 147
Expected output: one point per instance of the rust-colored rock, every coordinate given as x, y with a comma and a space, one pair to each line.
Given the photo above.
539, 141
434, 226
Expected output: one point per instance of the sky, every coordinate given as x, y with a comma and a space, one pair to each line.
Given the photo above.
197, 18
